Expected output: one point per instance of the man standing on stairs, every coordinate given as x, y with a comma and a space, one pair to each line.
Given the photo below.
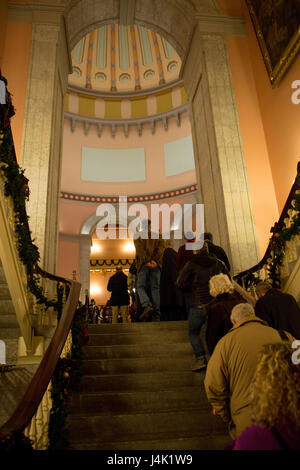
119, 300
194, 281
149, 249
280, 310
231, 368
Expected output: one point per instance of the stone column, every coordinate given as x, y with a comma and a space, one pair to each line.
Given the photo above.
85, 251
219, 159
42, 134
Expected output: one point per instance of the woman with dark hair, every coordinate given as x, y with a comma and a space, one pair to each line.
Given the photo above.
171, 298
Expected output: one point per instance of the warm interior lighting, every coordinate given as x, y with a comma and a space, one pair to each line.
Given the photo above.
95, 289
95, 248
129, 247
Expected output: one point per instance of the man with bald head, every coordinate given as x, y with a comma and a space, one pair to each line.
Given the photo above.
232, 365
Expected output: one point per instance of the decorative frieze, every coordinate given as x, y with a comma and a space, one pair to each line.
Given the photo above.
173, 193
139, 123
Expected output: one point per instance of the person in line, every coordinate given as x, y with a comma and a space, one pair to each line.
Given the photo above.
149, 248
183, 254
171, 298
194, 281
274, 401
219, 310
232, 366
119, 299
278, 309
216, 250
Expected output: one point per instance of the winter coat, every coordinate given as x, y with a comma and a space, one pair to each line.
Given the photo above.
117, 285
258, 437
218, 252
170, 294
218, 317
280, 311
149, 249
195, 276
183, 256
231, 369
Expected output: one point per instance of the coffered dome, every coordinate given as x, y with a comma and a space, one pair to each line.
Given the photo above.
123, 59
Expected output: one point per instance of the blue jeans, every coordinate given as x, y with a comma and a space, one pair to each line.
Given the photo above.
148, 279
196, 319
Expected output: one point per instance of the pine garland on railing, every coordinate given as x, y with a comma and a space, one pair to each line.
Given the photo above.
281, 235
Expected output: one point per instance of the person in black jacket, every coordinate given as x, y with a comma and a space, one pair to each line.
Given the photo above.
194, 280
219, 310
216, 250
278, 309
119, 299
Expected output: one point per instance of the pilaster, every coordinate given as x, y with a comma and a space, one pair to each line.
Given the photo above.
42, 134
219, 158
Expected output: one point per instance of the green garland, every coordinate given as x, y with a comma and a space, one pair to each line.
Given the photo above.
66, 379
278, 243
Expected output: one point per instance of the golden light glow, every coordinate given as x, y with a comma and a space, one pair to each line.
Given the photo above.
129, 247
95, 248
95, 289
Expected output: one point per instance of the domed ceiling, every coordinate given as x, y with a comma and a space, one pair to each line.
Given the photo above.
117, 58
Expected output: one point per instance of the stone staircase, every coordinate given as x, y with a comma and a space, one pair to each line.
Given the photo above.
139, 393
9, 327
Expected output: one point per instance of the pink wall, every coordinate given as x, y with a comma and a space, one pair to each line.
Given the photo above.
68, 259
279, 116
154, 155
15, 67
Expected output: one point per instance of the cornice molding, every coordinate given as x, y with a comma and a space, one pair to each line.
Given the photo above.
126, 123
35, 12
124, 94
221, 24
144, 198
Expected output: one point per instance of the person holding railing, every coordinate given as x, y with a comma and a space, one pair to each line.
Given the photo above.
280, 310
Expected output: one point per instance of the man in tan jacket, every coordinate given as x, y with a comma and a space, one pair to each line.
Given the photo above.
149, 253
232, 366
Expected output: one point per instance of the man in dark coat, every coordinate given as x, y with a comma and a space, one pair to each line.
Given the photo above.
216, 250
194, 280
119, 299
278, 309
171, 298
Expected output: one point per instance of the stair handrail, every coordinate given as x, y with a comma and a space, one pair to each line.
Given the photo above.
41, 379
275, 230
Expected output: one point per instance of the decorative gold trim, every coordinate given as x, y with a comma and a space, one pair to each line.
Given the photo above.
277, 72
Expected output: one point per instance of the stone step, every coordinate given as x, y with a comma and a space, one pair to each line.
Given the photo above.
159, 337
199, 441
137, 327
137, 365
136, 350
182, 398
142, 426
9, 333
8, 321
4, 292
6, 307
162, 380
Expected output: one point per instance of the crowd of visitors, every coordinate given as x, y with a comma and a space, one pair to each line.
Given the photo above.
245, 345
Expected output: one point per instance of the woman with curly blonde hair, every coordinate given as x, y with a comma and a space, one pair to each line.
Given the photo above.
275, 401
